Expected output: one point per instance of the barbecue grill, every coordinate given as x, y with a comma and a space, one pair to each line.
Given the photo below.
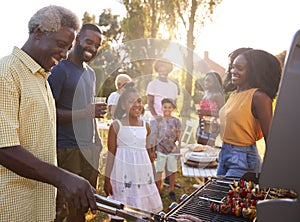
281, 162
198, 203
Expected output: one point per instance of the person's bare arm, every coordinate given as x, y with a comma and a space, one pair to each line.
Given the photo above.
91, 111
150, 101
220, 100
77, 190
262, 105
149, 146
112, 148
112, 109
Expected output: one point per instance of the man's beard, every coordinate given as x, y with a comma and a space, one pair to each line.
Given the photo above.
80, 53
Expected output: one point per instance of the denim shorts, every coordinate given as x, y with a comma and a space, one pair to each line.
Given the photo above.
235, 161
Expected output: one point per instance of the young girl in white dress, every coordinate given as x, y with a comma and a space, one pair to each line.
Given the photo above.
129, 174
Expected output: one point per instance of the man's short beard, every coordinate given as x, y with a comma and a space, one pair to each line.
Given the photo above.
80, 53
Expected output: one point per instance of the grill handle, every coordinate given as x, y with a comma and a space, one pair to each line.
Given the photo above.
120, 213
106, 209
109, 202
122, 208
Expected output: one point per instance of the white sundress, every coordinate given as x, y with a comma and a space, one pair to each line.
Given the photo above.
132, 176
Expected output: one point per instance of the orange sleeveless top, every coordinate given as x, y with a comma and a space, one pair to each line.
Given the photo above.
238, 126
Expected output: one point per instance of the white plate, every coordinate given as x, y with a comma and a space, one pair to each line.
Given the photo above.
202, 157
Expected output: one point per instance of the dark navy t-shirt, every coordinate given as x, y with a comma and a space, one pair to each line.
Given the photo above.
73, 88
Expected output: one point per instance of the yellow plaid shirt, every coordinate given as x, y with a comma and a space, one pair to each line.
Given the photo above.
27, 118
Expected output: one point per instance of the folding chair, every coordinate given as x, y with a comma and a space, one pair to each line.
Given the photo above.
187, 133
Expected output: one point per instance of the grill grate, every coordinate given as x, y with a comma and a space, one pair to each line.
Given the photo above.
193, 205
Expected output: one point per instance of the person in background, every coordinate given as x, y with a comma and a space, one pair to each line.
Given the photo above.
121, 80
209, 107
246, 116
129, 174
159, 88
73, 86
167, 132
28, 172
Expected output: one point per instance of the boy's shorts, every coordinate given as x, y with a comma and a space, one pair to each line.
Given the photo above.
163, 159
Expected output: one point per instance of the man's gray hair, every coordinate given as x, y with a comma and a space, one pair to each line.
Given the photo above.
52, 18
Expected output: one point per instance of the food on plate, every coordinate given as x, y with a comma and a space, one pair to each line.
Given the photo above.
199, 149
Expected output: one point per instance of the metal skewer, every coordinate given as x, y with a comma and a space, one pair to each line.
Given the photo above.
211, 200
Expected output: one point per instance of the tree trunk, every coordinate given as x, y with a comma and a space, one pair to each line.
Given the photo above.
186, 109
153, 15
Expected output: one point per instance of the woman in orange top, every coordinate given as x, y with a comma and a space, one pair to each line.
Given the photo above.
247, 114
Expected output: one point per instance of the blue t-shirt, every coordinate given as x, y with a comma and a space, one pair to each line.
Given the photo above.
73, 88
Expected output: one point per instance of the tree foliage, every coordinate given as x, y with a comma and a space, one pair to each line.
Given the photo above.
145, 17
179, 20
165, 20
87, 18
111, 25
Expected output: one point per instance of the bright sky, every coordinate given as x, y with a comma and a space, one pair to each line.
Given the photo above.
263, 24
15, 14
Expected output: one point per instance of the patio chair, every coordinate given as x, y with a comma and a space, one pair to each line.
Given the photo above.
187, 133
